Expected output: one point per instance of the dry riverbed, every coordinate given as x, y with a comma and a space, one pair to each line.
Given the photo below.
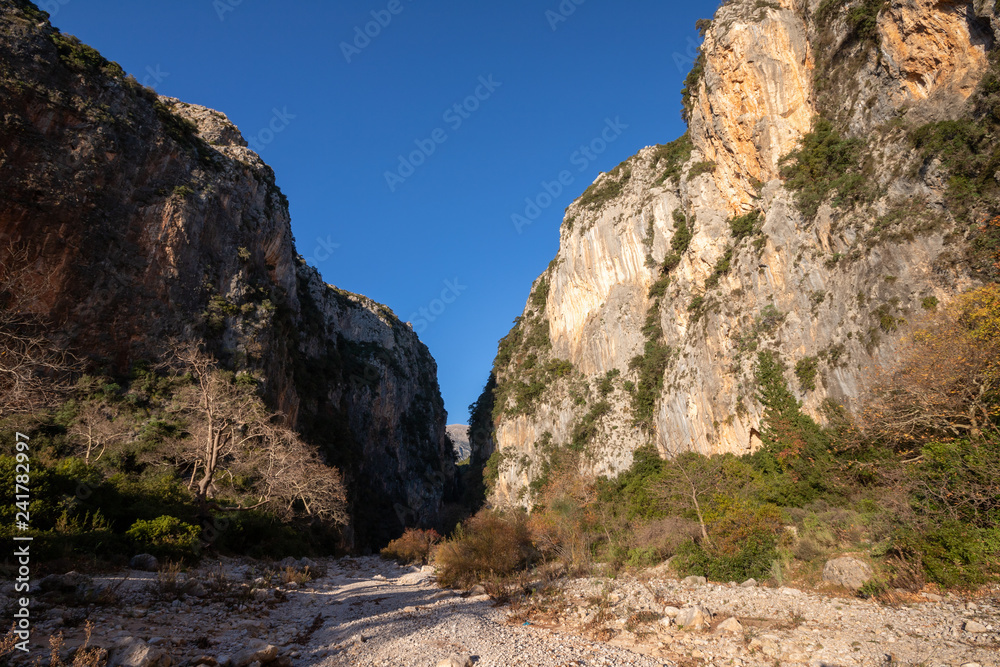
366, 611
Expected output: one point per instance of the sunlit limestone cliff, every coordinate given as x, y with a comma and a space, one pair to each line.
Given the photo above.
831, 189
140, 219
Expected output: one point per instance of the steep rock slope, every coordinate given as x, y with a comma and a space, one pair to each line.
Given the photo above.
810, 213
141, 219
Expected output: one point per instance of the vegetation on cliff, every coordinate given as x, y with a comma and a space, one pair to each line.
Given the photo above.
909, 482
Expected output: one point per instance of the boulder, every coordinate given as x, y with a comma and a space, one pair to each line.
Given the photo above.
455, 660
262, 655
132, 652
730, 625
847, 572
694, 618
63, 583
694, 581
144, 563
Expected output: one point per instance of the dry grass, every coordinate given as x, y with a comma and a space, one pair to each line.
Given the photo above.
84, 656
290, 575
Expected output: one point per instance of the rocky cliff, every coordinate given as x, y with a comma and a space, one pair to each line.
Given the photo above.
831, 188
142, 219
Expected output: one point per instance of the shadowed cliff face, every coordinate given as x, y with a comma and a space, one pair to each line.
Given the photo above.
647, 325
144, 219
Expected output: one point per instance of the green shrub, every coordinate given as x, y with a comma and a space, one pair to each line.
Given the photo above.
823, 164
722, 266
700, 168
651, 366
746, 225
672, 157
586, 429
659, 288
165, 536
953, 554
540, 295
691, 82
744, 542
806, 370
83, 58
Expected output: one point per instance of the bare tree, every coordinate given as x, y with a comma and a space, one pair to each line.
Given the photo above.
34, 369
99, 425
232, 432
946, 379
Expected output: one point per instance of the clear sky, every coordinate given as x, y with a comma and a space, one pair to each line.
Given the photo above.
333, 110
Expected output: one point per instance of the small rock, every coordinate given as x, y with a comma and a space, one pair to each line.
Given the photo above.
308, 562
260, 656
971, 664
224, 660
730, 625
749, 583
694, 581
974, 626
409, 610
931, 597
206, 660
456, 661
794, 592
144, 563
288, 562
694, 617
478, 589
847, 572
132, 652
195, 588
671, 612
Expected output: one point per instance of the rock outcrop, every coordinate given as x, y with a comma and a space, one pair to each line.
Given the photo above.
141, 219
680, 266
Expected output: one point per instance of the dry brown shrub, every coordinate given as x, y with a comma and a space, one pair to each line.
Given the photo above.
666, 535
414, 546
485, 545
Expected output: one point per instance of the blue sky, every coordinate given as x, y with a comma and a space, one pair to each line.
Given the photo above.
333, 112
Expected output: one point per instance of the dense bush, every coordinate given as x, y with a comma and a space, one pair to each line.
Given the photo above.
488, 544
414, 546
166, 537
826, 163
744, 540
